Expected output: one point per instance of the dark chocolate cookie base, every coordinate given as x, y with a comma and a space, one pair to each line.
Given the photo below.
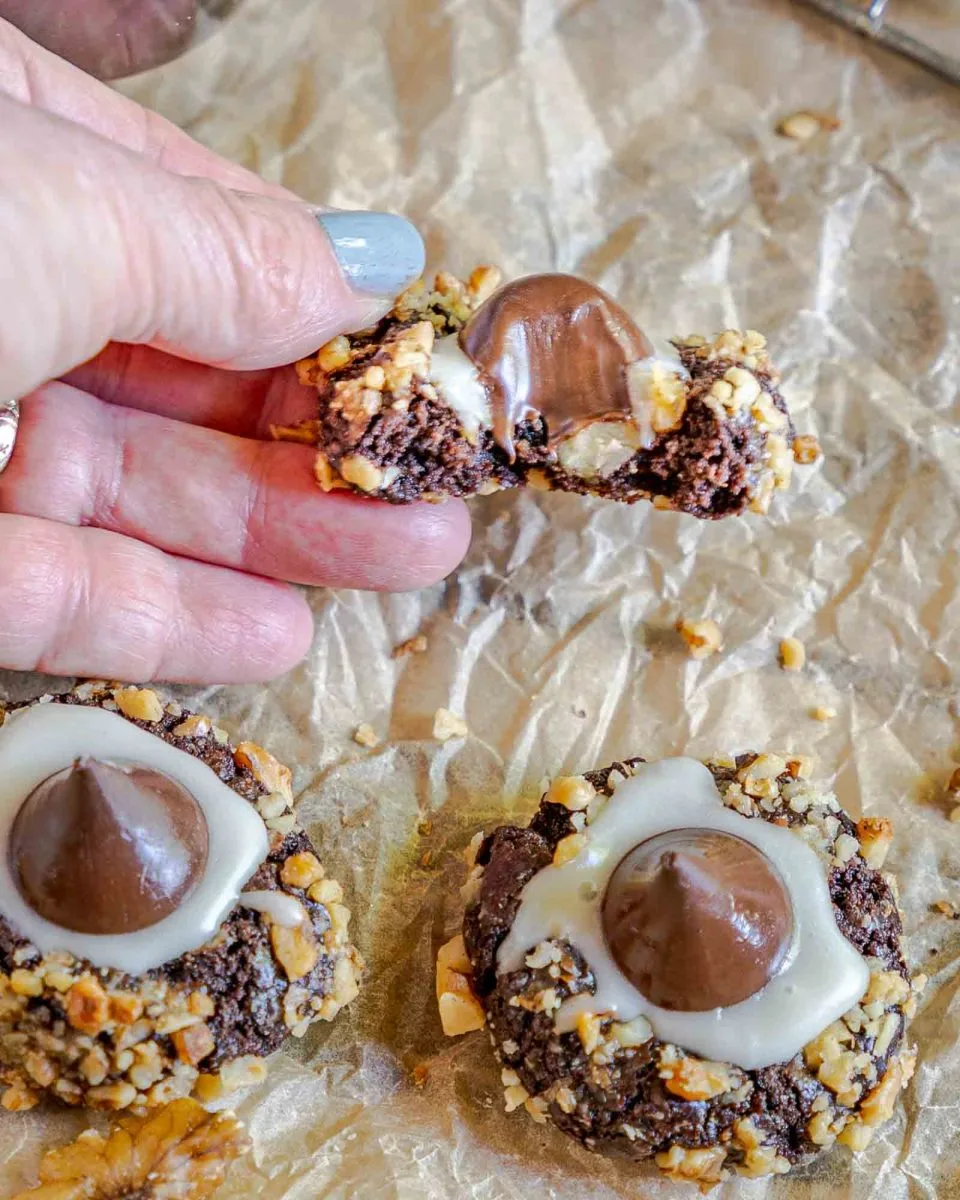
250, 1003
630, 1097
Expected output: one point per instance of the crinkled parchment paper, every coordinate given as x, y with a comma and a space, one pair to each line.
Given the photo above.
632, 142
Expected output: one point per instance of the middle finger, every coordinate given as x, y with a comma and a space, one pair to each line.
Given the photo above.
222, 499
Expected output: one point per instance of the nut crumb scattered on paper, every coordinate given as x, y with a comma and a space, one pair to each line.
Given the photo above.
947, 908
414, 645
806, 449
447, 725
823, 712
793, 654
366, 735
421, 1073
703, 637
802, 126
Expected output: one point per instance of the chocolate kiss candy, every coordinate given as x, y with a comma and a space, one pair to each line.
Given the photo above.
553, 346
697, 920
104, 849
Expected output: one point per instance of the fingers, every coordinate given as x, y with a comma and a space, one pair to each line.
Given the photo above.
245, 403
233, 501
86, 602
36, 77
100, 246
108, 38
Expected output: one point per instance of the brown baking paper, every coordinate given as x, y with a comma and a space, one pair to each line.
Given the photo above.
634, 143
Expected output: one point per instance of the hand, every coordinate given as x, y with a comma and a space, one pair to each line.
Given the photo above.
146, 519
108, 38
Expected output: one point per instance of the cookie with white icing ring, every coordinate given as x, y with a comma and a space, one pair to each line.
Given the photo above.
586, 1049
206, 930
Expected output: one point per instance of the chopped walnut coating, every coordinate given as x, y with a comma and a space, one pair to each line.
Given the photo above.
97, 1037
603, 1082
715, 438
460, 1011
181, 1150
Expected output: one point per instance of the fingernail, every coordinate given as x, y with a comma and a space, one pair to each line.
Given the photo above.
379, 253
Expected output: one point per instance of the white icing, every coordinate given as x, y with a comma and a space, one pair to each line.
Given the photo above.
278, 906
37, 742
458, 381
822, 974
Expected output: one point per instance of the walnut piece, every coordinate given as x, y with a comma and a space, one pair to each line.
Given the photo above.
141, 704
802, 126
267, 771
296, 950
193, 1044
180, 1150
793, 654
572, 791
87, 1007
806, 449
447, 725
875, 835
301, 870
414, 645
692, 1166
460, 1010
694, 1078
703, 637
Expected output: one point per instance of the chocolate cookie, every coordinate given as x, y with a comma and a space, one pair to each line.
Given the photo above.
164, 921
469, 388
695, 963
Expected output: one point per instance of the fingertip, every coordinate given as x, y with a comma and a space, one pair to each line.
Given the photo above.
254, 632
436, 538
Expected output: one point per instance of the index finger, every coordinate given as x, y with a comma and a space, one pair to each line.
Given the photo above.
34, 76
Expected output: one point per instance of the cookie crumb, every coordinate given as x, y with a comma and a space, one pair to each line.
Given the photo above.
793, 654
802, 126
447, 725
414, 645
946, 907
823, 712
366, 735
703, 637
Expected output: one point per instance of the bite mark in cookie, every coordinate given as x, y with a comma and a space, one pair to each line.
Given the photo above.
470, 387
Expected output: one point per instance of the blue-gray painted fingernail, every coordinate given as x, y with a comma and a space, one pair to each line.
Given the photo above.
379, 253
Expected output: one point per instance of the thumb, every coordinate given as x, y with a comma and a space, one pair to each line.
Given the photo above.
99, 245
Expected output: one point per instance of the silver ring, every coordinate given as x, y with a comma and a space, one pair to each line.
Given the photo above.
9, 422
